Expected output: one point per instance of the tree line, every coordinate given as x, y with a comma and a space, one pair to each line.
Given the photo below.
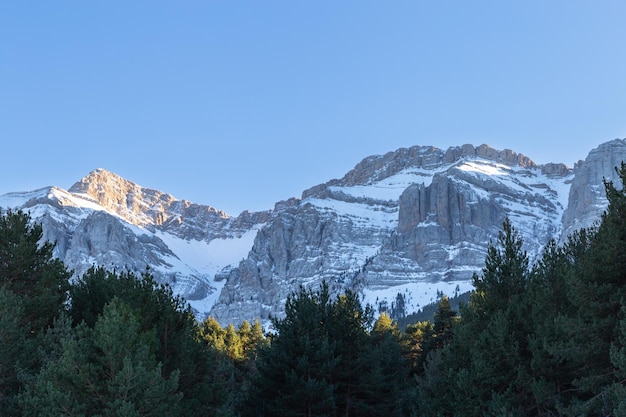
545, 339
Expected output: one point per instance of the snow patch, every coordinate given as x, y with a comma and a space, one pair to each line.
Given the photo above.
206, 259
416, 294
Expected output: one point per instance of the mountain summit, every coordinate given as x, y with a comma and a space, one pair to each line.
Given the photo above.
400, 228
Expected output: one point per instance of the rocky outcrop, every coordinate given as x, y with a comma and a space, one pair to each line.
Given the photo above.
405, 225
106, 220
417, 215
445, 214
156, 210
587, 197
301, 245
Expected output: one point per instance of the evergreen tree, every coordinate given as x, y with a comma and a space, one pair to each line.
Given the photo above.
325, 360
348, 325
33, 287
107, 370
596, 286
488, 356
552, 376
445, 319
615, 393
505, 275
29, 270
17, 350
416, 343
252, 339
212, 333
384, 383
204, 376
295, 371
421, 339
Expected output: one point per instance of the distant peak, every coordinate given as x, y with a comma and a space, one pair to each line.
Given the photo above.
101, 180
374, 168
121, 196
100, 174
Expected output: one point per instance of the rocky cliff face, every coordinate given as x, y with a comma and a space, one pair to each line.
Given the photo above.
109, 221
587, 198
399, 228
410, 222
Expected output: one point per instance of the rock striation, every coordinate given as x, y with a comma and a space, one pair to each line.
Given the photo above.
414, 221
106, 220
587, 198
399, 228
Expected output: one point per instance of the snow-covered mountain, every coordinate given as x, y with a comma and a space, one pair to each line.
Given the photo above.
399, 228
106, 220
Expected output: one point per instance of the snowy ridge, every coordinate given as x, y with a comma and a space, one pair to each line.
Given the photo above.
127, 237
400, 228
414, 222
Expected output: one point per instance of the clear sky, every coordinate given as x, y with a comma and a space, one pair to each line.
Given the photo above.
239, 104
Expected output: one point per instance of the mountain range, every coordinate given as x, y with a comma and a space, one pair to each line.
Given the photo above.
400, 228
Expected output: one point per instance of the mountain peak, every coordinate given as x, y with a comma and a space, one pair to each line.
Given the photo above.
100, 180
404, 224
121, 196
377, 167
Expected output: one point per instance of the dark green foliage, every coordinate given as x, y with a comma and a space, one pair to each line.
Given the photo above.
18, 350
28, 269
237, 350
33, 288
204, 377
323, 361
416, 342
553, 377
504, 278
421, 339
596, 285
109, 370
384, 380
486, 356
427, 313
295, 371
543, 341
445, 319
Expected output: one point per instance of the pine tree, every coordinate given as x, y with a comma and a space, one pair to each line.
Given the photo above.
107, 370
29, 270
505, 275
445, 319
295, 371
383, 383
550, 304
615, 393
252, 339
326, 360
204, 377
33, 287
487, 358
212, 333
348, 326
596, 286
416, 343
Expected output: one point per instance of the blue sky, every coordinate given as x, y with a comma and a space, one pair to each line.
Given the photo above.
239, 104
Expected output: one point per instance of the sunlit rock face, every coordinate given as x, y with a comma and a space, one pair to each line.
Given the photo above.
105, 220
398, 228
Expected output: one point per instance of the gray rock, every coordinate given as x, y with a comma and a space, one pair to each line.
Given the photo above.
436, 229
405, 224
587, 197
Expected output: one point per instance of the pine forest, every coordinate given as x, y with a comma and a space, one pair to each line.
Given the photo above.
546, 338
